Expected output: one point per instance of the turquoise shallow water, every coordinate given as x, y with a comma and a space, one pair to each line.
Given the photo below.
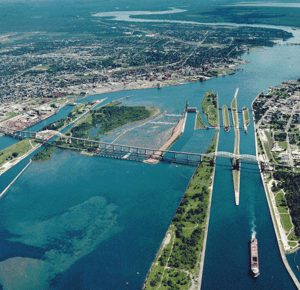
79, 222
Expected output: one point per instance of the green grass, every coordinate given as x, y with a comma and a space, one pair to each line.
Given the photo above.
282, 144
292, 244
19, 148
281, 203
199, 122
286, 221
226, 121
187, 226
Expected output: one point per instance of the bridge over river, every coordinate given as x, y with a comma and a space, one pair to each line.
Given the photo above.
128, 152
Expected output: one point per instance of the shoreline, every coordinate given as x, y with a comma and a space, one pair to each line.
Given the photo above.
271, 210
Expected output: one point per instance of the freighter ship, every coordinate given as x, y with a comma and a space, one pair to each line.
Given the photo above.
254, 257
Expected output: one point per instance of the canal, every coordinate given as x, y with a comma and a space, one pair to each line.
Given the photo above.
95, 221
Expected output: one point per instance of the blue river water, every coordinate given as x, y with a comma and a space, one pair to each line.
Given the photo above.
97, 222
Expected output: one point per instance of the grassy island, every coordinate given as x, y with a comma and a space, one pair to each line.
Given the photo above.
211, 109
109, 117
199, 122
177, 263
226, 121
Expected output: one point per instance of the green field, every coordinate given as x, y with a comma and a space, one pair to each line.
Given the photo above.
15, 150
210, 108
182, 255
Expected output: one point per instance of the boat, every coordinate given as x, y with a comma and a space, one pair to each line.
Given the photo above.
254, 257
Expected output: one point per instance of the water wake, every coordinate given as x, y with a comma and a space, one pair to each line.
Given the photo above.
253, 223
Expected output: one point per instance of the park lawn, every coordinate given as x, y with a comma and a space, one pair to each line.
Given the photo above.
17, 149
286, 221
281, 203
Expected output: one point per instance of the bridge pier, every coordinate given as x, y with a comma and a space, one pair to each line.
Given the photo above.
236, 164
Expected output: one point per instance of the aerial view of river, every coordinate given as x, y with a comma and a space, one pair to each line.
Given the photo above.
77, 222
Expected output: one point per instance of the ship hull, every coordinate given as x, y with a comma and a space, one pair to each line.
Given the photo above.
254, 264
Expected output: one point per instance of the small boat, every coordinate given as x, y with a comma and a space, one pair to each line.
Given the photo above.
254, 257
